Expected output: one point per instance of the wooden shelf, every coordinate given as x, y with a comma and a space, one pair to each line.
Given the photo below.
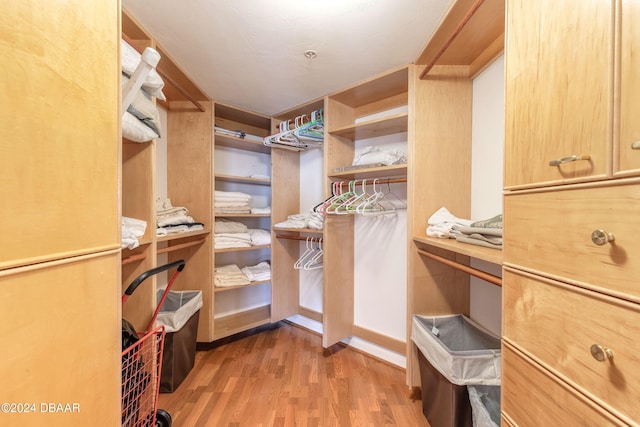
240, 322
377, 88
242, 179
366, 173
373, 128
178, 236
252, 248
230, 288
474, 251
298, 230
240, 143
471, 34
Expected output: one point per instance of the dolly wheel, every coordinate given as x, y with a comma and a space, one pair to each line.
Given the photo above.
163, 418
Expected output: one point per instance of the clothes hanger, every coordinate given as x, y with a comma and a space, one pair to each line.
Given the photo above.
315, 262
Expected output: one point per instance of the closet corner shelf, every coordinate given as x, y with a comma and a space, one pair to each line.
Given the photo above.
241, 143
367, 173
240, 322
242, 179
217, 289
178, 236
486, 254
390, 125
252, 248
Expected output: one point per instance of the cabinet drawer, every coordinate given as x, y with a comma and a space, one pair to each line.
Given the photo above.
557, 324
550, 233
530, 397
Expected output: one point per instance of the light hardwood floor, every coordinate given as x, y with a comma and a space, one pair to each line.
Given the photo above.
281, 376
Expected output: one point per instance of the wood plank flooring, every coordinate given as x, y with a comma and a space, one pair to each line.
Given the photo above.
281, 376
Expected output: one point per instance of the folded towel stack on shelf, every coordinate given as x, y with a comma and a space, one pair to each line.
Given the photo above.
170, 219
313, 220
231, 234
229, 275
487, 233
258, 272
232, 202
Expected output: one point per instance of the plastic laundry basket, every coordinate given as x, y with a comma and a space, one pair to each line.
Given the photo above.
179, 314
454, 352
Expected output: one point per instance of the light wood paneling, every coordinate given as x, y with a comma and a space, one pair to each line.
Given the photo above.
59, 151
561, 237
628, 159
439, 174
563, 343
549, 402
559, 62
61, 341
242, 321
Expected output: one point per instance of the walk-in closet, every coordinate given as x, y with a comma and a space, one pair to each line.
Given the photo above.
432, 229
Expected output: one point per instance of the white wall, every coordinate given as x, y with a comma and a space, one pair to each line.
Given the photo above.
486, 183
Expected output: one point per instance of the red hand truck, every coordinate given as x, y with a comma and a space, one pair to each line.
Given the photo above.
142, 361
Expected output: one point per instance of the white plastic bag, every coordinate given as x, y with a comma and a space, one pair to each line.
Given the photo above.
178, 308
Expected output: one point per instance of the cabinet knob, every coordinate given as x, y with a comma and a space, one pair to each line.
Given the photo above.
600, 353
600, 237
635, 145
568, 159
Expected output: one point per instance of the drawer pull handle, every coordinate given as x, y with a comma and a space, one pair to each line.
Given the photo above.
635, 145
600, 353
568, 159
600, 237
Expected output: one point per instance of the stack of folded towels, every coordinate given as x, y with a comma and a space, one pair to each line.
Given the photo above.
229, 275
258, 272
232, 202
170, 219
232, 234
486, 232
312, 220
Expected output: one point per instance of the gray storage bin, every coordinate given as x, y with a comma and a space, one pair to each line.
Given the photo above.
179, 314
485, 405
454, 352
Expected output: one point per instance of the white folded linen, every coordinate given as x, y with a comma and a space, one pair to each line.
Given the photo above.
260, 271
237, 203
231, 195
374, 155
266, 210
441, 223
259, 236
229, 275
132, 230
174, 220
226, 226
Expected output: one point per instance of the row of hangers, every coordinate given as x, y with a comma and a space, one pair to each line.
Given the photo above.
311, 258
366, 201
304, 133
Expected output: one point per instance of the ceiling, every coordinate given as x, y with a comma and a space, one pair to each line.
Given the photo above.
250, 53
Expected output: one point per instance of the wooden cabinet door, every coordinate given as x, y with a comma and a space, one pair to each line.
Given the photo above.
628, 148
559, 62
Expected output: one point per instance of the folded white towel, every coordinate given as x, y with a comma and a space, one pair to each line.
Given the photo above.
231, 194
232, 204
441, 223
226, 226
174, 220
259, 237
266, 210
260, 271
229, 275
132, 230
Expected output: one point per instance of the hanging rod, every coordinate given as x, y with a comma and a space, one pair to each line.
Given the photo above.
169, 79
304, 239
133, 258
473, 271
377, 180
180, 246
453, 36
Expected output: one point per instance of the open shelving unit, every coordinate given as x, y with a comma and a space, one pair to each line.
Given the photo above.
468, 39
